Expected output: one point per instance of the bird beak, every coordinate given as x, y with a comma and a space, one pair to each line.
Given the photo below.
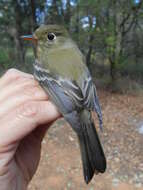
29, 37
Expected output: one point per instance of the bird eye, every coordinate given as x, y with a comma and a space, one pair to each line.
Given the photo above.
51, 36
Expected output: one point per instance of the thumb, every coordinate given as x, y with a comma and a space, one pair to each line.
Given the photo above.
24, 119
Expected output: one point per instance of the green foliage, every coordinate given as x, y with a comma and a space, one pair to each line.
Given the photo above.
4, 58
110, 41
110, 28
5, 61
130, 68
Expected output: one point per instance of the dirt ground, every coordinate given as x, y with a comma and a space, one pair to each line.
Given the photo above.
60, 165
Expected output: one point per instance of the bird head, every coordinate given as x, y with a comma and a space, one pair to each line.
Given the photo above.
48, 36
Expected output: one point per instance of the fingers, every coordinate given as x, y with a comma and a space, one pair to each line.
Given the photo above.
25, 119
18, 92
11, 76
23, 106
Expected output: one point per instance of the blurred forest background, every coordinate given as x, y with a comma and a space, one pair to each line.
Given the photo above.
108, 32
110, 35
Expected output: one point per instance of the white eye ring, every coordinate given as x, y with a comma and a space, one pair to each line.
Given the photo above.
51, 36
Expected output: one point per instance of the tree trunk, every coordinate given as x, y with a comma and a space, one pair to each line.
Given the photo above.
33, 21
112, 69
90, 42
89, 53
20, 53
33, 10
115, 55
118, 34
67, 15
77, 23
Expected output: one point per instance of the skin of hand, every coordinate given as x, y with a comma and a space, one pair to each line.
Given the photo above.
25, 115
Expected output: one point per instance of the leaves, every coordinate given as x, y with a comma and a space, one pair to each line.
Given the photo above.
110, 28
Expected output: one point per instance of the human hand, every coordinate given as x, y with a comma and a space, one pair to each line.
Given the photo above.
25, 115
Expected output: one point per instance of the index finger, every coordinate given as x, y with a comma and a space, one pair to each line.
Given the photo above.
12, 75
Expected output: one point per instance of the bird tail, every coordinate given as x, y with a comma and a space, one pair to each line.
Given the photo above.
92, 154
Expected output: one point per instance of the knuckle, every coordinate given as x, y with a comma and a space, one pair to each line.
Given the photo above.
28, 109
25, 82
12, 73
29, 91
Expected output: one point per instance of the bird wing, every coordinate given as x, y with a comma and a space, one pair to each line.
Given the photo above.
67, 94
91, 99
59, 86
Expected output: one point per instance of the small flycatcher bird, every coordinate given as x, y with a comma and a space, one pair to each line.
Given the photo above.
61, 70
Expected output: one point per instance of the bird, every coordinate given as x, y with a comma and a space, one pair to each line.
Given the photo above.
61, 70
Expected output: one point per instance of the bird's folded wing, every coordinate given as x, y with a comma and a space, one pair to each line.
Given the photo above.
64, 92
68, 94
91, 99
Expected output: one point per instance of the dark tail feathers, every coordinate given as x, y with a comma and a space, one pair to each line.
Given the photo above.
93, 158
